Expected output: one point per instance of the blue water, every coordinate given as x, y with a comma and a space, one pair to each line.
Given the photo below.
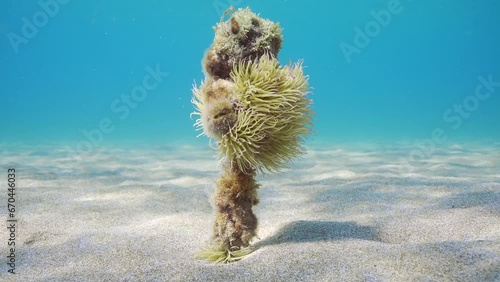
63, 74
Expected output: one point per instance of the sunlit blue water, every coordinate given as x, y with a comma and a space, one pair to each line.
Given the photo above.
380, 70
403, 172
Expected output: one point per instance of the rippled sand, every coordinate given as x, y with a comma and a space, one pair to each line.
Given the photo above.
355, 213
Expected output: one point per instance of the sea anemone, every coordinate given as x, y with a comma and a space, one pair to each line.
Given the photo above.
273, 115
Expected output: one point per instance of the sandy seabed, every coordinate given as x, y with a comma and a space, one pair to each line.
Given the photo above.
341, 213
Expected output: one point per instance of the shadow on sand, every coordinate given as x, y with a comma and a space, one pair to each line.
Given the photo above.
313, 231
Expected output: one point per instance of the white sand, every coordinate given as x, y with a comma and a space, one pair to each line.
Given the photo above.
340, 214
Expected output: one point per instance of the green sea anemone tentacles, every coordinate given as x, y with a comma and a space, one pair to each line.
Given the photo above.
224, 255
273, 115
270, 114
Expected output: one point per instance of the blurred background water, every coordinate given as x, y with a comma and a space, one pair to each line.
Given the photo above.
381, 71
